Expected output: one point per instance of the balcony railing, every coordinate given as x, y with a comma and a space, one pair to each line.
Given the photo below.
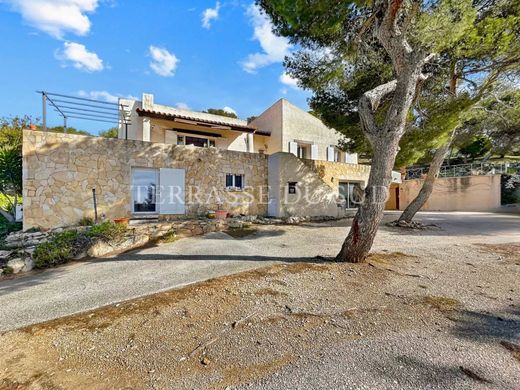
473, 169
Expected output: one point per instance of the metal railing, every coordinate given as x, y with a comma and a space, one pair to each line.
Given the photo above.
473, 169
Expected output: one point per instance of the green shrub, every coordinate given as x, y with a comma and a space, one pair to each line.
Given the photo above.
58, 250
86, 221
7, 227
7, 270
107, 231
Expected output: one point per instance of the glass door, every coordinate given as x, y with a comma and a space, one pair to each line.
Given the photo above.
144, 190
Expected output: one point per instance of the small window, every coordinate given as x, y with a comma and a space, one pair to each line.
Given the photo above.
212, 143
337, 155
180, 140
301, 151
292, 187
234, 182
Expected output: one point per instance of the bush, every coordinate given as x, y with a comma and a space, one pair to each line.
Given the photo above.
58, 250
7, 227
86, 221
107, 231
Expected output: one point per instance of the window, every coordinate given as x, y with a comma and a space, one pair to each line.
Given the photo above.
351, 194
196, 141
300, 152
144, 190
234, 182
337, 155
292, 187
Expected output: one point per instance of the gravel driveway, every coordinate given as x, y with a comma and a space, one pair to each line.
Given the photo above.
430, 309
82, 286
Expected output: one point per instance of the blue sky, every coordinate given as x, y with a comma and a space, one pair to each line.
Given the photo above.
196, 54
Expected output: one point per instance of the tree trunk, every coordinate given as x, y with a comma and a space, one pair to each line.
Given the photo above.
370, 213
427, 187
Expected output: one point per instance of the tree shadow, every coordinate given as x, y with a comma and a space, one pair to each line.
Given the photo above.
487, 326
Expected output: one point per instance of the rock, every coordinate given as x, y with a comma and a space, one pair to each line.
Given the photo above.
80, 255
16, 264
5, 254
100, 249
29, 264
205, 361
235, 224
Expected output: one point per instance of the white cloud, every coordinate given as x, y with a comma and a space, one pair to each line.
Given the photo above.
80, 57
182, 106
56, 17
230, 110
288, 80
275, 48
103, 95
163, 62
210, 14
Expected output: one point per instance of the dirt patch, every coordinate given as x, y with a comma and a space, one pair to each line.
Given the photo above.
241, 232
444, 304
509, 251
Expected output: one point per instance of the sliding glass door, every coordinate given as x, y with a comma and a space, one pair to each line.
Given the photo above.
144, 190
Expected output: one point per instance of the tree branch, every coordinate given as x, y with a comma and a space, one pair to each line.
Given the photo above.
369, 103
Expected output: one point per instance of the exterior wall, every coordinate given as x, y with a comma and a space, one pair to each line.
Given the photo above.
313, 197
60, 171
301, 126
160, 130
468, 193
332, 173
270, 120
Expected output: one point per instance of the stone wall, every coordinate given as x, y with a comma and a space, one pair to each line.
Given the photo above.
334, 172
60, 171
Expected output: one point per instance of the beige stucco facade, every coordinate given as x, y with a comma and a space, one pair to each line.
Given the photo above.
288, 124
467, 193
316, 185
149, 129
283, 127
60, 171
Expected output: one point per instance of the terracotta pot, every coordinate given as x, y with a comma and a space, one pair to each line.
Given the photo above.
32, 126
221, 214
122, 221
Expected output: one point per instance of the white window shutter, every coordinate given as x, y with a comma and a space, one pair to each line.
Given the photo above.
293, 148
314, 152
171, 191
351, 158
330, 153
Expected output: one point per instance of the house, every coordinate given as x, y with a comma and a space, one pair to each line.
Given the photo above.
169, 163
283, 127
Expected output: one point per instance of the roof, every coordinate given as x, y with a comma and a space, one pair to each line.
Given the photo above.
200, 118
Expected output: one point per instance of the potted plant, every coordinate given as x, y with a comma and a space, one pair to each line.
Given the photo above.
122, 221
221, 214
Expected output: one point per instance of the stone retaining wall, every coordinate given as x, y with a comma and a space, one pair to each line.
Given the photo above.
60, 171
333, 172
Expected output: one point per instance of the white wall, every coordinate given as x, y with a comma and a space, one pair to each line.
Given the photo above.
313, 197
299, 125
269, 120
289, 123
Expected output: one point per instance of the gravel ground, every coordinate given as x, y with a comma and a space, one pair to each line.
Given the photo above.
430, 309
